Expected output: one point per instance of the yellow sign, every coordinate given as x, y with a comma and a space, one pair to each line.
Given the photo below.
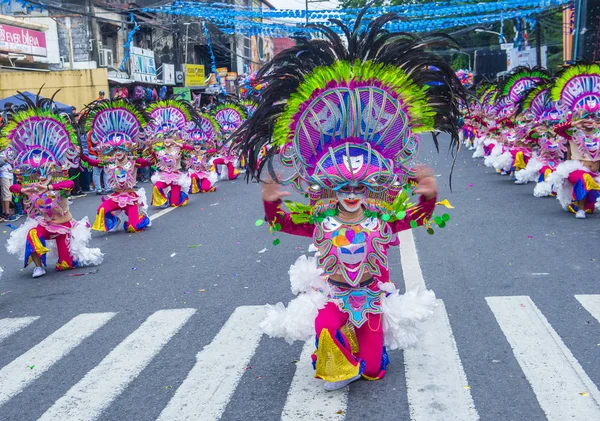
222, 71
194, 75
232, 76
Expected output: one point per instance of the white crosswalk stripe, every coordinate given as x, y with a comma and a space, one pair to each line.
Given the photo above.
306, 399
13, 325
212, 381
435, 379
591, 303
563, 389
88, 398
15, 376
436, 385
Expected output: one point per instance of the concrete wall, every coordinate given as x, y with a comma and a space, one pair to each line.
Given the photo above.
77, 87
162, 45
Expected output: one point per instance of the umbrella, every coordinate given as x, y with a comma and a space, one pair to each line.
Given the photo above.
17, 100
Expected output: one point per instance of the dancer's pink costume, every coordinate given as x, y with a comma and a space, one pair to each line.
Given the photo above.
170, 177
121, 177
203, 179
228, 160
585, 182
48, 208
354, 256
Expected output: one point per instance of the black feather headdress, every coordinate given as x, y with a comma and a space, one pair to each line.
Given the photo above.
390, 85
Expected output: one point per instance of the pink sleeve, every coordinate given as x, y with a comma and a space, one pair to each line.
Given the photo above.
142, 162
418, 213
16, 188
187, 147
63, 185
561, 130
93, 162
274, 213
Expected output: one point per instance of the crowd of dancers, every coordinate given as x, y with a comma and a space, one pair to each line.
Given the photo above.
189, 150
344, 118
544, 130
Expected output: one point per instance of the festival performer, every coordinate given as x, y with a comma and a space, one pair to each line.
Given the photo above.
348, 124
482, 123
43, 147
499, 136
169, 122
577, 93
115, 130
551, 147
230, 117
516, 152
203, 138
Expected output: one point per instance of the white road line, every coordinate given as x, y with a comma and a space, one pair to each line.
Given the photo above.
13, 325
100, 386
161, 213
435, 378
591, 303
413, 276
15, 376
307, 400
209, 385
436, 383
563, 389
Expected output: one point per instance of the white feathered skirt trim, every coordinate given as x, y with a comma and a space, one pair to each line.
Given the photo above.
81, 234
296, 322
559, 179
530, 173
182, 179
479, 152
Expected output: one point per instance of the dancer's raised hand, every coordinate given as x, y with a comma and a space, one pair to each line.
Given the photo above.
271, 191
427, 183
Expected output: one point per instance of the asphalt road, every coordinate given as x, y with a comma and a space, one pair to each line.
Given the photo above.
209, 258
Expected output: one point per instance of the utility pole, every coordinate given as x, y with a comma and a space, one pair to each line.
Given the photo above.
538, 42
187, 39
306, 2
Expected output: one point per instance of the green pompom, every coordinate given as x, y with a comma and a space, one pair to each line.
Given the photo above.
276, 241
446, 217
330, 212
413, 223
401, 215
442, 224
385, 217
259, 222
277, 227
430, 231
438, 220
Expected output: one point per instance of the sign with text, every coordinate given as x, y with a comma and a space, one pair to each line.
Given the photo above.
194, 75
22, 40
168, 73
143, 66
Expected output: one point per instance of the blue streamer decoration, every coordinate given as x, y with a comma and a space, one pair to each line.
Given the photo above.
213, 62
127, 45
252, 21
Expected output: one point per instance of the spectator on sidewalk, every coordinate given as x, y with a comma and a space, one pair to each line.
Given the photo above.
75, 173
6, 178
96, 171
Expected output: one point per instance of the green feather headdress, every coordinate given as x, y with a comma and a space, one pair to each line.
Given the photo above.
578, 88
